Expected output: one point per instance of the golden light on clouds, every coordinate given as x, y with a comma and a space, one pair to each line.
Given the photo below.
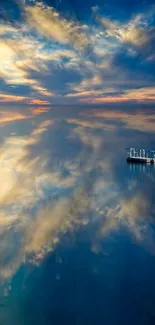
55, 27
38, 102
10, 98
139, 95
60, 60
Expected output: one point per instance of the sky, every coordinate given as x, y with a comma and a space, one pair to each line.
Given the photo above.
65, 52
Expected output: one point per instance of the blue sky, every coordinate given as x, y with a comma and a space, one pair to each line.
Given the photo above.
76, 52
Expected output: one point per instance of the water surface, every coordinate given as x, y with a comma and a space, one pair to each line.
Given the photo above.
77, 230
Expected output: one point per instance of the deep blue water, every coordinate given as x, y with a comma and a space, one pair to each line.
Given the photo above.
77, 230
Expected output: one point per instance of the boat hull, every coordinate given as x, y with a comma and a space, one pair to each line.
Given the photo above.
137, 160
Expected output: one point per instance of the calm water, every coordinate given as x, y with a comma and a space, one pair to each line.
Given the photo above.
77, 223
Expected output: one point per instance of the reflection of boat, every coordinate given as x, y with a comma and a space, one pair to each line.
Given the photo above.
141, 171
141, 156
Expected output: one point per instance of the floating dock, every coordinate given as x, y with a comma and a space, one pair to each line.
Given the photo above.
141, 156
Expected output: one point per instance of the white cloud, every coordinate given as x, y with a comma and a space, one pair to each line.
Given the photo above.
53, 26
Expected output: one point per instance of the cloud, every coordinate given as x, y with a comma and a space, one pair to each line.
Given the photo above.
109, 26
42, 91
6, 28
60, 60
28, 62
146, 94
19, 56
87, 87
86, 93
6, 98
138, 31
53, 26
38, 102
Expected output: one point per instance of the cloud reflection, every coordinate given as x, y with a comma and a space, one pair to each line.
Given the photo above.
46, 196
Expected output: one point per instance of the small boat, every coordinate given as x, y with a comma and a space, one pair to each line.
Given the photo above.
141, 156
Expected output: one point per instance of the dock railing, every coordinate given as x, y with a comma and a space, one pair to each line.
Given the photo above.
141, 153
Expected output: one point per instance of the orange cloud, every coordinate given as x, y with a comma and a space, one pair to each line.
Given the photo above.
145, 94
5, 98
42, 90
102, 100
38, 102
